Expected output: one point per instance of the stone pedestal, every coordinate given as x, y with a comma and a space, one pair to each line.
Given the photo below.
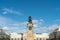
30, 35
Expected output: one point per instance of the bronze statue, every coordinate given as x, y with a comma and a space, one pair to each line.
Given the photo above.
30, 19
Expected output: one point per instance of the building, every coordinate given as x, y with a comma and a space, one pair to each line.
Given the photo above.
4, 35
55, 35
15, 36
43, 36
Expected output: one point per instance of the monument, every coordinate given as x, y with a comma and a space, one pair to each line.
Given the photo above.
30, 33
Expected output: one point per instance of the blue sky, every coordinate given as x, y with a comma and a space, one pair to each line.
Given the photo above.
14, 15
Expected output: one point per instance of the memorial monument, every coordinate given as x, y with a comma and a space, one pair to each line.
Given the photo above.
30, 33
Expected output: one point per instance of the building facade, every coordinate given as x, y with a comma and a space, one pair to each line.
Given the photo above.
15, 36
38, 36
4, 35
55, 35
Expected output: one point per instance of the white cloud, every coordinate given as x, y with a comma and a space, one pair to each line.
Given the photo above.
45, 29
15, 24
8, 24
6, 21
5, 28
41, 30
5, 12
35, 25
38, 28
38, 21
11, 11
53, 27
24, 23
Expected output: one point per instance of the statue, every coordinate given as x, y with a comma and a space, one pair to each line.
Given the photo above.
30, 33
30, 19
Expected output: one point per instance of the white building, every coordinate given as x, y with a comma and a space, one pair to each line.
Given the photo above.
4, 35
43, 36
15, 36
55, 34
